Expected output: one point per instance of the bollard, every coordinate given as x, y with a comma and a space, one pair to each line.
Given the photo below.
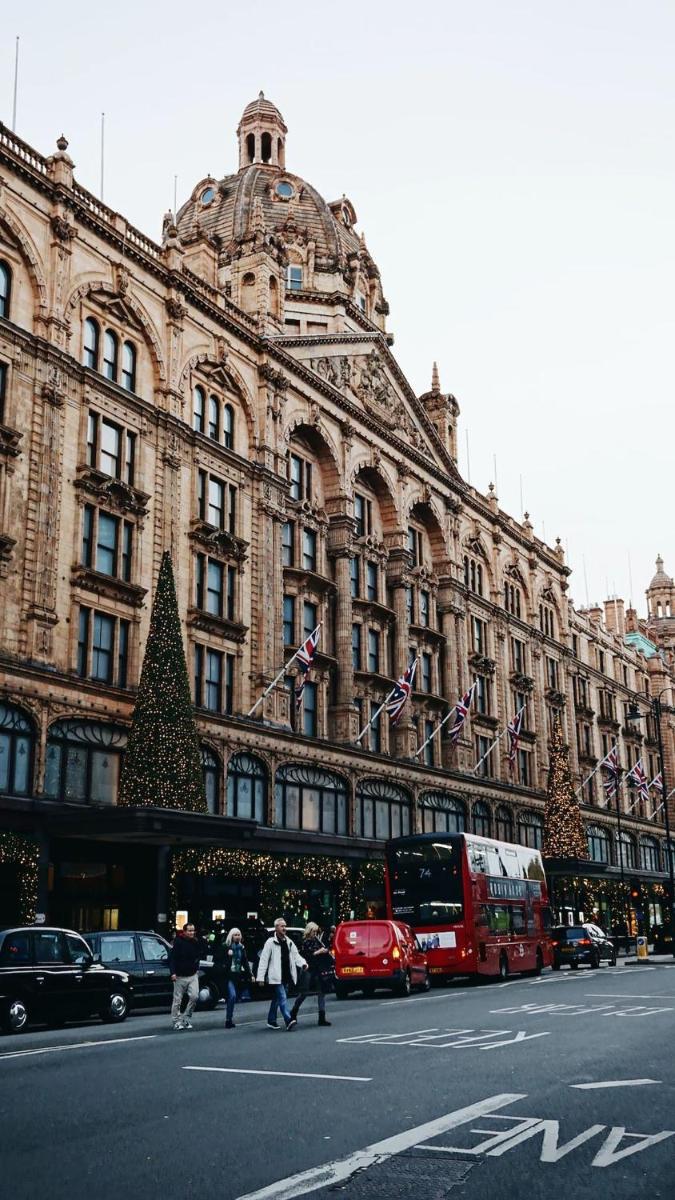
642, 951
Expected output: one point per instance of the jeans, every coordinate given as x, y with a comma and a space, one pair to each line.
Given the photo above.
232, 998
279, 1001
183, 984
320, 999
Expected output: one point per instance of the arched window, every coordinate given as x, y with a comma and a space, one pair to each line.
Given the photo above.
17, 737
382, 810
250, 147
480, 819
598, 844
110, 346
308, 798
473, 575
211, 773
531, 830
649, 854
248, 300
129, 366
626, 851
83, 762
198, 409
504, 824
228, 427
266, 147
442, 813
247, 788
5, 288
214, 418
91, 337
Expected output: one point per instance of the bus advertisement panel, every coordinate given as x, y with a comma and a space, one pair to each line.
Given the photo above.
478, 906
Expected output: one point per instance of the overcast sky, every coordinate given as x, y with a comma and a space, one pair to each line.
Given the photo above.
512, 165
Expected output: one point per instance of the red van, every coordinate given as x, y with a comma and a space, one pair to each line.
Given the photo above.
372, 954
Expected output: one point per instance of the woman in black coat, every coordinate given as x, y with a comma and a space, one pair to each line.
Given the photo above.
319, 968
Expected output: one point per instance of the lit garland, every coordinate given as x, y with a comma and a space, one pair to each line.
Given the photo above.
22, 852
564, 835
162, 765
268, 869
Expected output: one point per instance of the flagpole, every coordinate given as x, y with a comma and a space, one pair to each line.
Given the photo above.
589, 777
375, 715
280, 675
436, 730
489, 750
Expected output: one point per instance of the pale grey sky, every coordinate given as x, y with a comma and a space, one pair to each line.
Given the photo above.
512, 165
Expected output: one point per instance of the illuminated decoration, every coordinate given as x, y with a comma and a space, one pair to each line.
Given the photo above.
268, 869
162, 766
564, 835
21, 852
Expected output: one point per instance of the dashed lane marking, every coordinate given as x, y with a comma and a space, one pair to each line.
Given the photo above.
613, 1083
145, 1037
285, 1074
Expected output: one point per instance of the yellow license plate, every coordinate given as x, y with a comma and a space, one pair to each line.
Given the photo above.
435, 970
353, 970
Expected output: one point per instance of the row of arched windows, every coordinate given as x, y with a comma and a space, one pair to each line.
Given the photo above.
213, 417
625, 850
107, 357
444, 813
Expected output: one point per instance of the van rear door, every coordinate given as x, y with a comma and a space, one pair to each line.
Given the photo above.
382, 942
352, 948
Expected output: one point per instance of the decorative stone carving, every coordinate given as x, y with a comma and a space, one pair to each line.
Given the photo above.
522, 683
10, 442
175, 308
62, 228
482, 664
105, 585
114, 493
218, 541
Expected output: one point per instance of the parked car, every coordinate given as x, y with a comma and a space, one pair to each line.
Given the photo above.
574, 944
48, 976
144, 955
372, 954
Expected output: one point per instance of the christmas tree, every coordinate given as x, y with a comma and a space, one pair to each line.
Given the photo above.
162, 764
564, 835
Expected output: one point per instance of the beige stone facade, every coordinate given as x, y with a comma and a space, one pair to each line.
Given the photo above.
231, 395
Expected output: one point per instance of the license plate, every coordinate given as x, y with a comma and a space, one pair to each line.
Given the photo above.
435, 970
353, 970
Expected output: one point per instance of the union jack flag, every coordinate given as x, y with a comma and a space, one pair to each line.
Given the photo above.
657, 782
305, 657
513, 730
637, 776
461, 713
402, 689
611, 764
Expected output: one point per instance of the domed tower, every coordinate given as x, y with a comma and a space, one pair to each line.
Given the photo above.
262, 135
661, 608
293, 263
443, 410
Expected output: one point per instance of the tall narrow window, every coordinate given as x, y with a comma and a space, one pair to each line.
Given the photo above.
356, 647
293, 277
309, 713
199, 675
83, 642
229, 684
375, 731
216, 509
111, 449
232, 508
371, 581
127, 550
228, 427
309, 550
214, 418
87, 534
130, 458
230, 596
3, 393
289, 620
287, 547
300, 476
198, 409
309, 618
129, 367
426, 672
91, 337
5, 288
213, 694
106, 544
425, 608
214, 588
428, 752
110, 352
122, 654
373, 651
354, 577
102, 648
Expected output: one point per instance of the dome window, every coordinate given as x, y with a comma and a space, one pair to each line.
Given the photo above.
293, 278
284, 189
207, 195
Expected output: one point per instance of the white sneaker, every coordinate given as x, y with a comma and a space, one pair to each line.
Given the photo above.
187, 1025
178, 1025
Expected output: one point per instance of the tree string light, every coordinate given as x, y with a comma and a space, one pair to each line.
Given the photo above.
22, 852
564, 835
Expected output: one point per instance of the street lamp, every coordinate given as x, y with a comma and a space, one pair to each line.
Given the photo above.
634, 714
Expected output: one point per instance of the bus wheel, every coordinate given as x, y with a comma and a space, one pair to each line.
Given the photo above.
503, 967
540, 963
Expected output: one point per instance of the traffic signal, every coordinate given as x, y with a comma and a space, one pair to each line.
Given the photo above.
635, 891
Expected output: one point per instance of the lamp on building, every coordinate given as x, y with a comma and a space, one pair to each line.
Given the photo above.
634, 714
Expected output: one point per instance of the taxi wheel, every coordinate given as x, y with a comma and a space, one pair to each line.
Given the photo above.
15, 1016
208, 997
116, 1009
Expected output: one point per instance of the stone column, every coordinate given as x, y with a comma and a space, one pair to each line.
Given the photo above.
343, 714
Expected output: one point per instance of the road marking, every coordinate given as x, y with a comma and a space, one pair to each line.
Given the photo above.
612, 1083
426, 998
343, 1168
145, 1037
285, 1074
578, 1010
625, 996
445, 1039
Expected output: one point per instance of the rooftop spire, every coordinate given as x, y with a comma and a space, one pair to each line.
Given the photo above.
435, 379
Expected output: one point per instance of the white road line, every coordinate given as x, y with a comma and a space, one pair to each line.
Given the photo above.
612, 1083
426, 998
343, 1168
625, 996
145, 1037
285, 1074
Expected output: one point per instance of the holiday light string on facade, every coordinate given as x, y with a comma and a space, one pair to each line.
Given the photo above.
22, 852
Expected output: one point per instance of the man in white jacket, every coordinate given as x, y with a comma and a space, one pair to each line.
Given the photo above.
279, 962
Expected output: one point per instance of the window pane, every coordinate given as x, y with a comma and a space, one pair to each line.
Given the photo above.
310, 809
381, 819
106, 545
292, 807
104, 776
76, 773
118, 949
21, 765
110, 449
341, 813
328, 816
215, 588
5, 747
101, 659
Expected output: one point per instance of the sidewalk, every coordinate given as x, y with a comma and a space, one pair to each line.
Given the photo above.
631, 960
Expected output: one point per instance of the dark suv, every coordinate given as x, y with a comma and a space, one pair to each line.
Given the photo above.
49, 976
144, 955
574, 944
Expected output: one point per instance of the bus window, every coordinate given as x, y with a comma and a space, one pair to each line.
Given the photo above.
517, 919
498, 915
426, 883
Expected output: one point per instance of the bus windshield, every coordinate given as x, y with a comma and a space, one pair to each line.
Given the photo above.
426, 882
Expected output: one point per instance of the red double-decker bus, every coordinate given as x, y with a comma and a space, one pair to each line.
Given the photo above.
478, 906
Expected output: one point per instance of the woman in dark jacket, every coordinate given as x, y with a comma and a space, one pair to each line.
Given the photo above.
237, 971
319, 966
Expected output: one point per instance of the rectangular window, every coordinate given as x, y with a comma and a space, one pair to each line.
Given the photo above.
363, 515
518, 655
199, 675
375, 731
102, 648
216, 508
122, 653
127, 551
482, 746
293, 277
552, 673
409, 599
106, 544
213, 693
83, 642
289, 620
356, 647
111, 449
309, 618
425, 608
214, 588
478, 635
232, 509
371, 581
309, 714
130, 458
200, 577
354, 577
3, 392
428, 752
309, 550
87, 534
373, 650
287, 547
425, 672
300, 476
524, 767
229, 683
214, 419
92, 440
198, 411
482, 694
415, 546
230, 611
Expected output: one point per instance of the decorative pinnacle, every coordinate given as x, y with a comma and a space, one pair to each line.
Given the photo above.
435, 379
62, 143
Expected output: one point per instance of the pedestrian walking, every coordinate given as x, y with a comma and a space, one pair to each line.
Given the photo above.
184, 957
319, 972
280, 962
237, 971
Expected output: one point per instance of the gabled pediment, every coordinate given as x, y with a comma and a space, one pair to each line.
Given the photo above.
116, 308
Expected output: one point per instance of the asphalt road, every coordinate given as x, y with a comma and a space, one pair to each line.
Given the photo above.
528, 1088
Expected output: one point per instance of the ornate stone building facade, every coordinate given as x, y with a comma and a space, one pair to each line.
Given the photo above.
231, 395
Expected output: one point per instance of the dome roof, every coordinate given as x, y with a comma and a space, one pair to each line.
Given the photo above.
261, 107
660, 579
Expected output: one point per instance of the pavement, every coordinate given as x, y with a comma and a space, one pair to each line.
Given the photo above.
528, 1087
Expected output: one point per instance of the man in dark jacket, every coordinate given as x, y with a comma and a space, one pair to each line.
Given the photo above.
184, 958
